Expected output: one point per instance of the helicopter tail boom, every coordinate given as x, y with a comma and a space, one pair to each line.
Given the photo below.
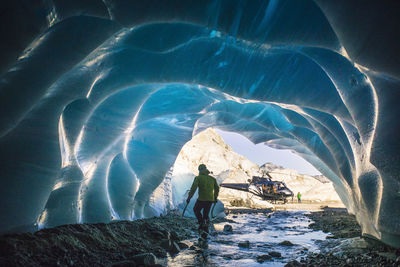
241, 187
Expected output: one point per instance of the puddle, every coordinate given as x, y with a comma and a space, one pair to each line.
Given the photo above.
264, 234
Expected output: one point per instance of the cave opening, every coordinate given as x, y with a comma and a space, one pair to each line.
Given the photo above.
97, 99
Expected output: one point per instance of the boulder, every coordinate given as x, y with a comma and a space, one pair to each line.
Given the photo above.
174, 249
286, 243
293, 263
183, 245
275, 254
145, 258
245, 244
263, 258
228, 228
170, 246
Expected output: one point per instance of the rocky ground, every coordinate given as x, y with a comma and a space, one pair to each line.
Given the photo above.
307, 205
148, 242
122, 243
345, 246
336, 221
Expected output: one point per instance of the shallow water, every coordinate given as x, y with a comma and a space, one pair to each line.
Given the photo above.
264, 235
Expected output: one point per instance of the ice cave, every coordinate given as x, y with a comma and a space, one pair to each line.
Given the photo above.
97, 98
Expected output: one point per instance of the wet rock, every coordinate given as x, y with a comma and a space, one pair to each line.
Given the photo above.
275, 254
293, 263
338, 222
245, 244
263, 258
225, 242
145, 258
228, 228
174, 249
286, 243
183, 245
170, 246
125, 263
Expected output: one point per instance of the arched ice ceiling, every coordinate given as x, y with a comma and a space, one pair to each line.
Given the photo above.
98, 97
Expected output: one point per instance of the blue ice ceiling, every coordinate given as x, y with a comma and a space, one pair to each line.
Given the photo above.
98, 97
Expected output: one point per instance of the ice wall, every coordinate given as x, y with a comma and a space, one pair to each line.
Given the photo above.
98, 97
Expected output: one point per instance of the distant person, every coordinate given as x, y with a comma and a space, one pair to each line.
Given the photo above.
298, 197
269, 189
208, 194
274, 189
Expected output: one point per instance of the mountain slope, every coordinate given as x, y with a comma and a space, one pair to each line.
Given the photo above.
209, 148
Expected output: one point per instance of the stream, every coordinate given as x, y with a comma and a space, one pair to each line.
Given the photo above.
264, 233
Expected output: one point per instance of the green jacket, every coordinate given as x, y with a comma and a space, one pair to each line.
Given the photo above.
208, 187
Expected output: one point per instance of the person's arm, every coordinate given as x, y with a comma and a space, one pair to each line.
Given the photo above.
216, 190
193, 189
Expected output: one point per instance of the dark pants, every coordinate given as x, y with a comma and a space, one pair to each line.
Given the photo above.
205, 206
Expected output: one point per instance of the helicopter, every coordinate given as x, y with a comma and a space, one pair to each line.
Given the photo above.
263, 187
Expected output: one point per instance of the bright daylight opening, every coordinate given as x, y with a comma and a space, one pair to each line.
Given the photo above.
261, 153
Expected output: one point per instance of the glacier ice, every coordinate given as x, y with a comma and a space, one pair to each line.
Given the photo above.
98, 97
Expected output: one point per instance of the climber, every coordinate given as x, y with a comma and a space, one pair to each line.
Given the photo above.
208, 193
298, 197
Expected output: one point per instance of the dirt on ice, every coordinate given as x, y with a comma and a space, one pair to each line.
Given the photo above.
121, 243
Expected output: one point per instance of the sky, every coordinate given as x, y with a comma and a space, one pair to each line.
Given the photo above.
261, 153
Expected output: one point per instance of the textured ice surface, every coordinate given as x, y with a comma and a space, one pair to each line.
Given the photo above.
98, 97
